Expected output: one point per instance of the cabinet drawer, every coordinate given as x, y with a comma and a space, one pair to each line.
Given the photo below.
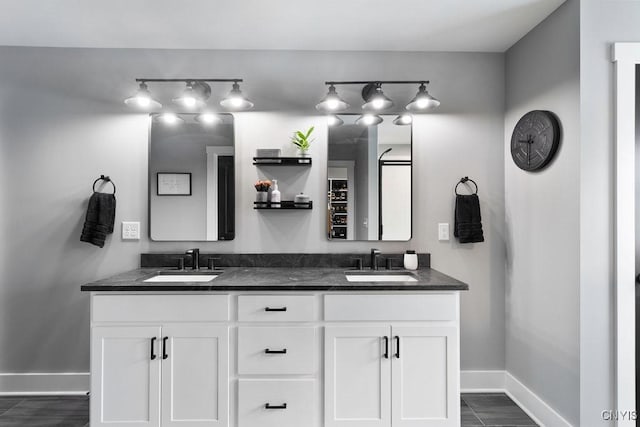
297, 395
276, 350
276, 308
391, 307
160, 308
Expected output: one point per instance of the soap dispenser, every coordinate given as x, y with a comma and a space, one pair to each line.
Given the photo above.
410, 260
275, 195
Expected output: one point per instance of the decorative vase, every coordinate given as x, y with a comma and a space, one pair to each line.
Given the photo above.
262, 197
303, 153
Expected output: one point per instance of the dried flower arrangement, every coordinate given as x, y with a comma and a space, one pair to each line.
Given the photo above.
262, 186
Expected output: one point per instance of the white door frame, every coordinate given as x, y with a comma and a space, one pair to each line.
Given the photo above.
625, 57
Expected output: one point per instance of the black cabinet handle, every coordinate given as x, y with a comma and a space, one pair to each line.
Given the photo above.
397, 338
275, 309
164, 348
386, 347
153, 346
268, 351
270, 406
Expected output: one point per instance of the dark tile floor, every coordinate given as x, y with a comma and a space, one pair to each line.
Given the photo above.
486, 409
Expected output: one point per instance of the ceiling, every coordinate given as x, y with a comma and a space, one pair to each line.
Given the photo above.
404, 25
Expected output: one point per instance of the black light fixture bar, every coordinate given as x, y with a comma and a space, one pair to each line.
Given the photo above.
190, 80
386, 82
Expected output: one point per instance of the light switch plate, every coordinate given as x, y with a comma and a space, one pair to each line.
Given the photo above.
130, 230
443, 231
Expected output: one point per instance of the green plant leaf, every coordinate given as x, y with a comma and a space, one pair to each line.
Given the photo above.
309, 132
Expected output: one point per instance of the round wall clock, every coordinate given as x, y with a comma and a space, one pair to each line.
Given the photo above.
535, 140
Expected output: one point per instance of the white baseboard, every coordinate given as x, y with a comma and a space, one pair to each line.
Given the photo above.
76, 383
504, 382
535, 407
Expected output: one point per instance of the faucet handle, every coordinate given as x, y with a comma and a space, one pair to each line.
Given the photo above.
211, 263
180, 263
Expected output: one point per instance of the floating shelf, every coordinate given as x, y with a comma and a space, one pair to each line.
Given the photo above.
282, 161
285, 204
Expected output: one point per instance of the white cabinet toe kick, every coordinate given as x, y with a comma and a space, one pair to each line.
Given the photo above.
249, 359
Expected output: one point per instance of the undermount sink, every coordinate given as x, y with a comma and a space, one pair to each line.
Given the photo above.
359, 277
182, 277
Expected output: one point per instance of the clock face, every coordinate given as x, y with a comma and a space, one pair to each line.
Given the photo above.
535, 140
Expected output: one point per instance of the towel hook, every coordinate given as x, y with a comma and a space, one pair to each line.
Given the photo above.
105, 179
464, 180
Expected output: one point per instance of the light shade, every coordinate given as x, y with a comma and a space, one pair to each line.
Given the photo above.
403, 119
168, 118
334, 120
422, 101
369, 120
143, 99
377, 101
235, 100
208, 119
190, 99
331, 102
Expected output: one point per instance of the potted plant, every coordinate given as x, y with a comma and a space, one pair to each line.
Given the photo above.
302, 141
262, 187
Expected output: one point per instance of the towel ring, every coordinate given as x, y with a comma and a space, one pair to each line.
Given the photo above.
105, 179
464, 181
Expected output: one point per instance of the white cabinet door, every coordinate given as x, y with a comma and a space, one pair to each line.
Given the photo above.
125, 380
425, 381
357, 376
195, 375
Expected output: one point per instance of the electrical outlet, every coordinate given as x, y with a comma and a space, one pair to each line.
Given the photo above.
443, 231
130, 230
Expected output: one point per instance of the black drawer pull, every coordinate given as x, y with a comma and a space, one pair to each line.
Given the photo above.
386, 347
275, 309
268, 351
164, 348
397, 346
270, 406
153, 346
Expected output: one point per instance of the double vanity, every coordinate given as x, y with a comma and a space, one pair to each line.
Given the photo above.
281, 346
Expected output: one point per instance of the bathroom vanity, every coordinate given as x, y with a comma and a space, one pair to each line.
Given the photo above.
275, 347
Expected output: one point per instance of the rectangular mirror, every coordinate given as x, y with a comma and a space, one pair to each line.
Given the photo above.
191, 179
369, 180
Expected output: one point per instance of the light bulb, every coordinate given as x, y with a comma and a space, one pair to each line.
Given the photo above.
422, 103
334, 120
378, 103
332, 104
143, 101
189, 102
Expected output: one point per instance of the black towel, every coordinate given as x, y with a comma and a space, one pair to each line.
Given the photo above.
468, 225
101, 215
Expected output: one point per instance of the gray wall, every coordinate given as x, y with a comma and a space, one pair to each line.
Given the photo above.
64, 123
542, 212
602, 23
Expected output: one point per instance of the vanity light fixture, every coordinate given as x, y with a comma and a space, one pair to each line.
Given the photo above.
235, 100
375, 99
423, 100
143, 99
369, 120
193, 97
168, 118
333, 120
331, 102
208, 119
403, 119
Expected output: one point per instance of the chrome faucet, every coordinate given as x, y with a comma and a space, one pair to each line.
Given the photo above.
195, 258
374, 258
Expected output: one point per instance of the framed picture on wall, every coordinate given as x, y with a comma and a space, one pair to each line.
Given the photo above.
174, 184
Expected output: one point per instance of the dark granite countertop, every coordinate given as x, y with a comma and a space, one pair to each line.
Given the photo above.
275, 279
